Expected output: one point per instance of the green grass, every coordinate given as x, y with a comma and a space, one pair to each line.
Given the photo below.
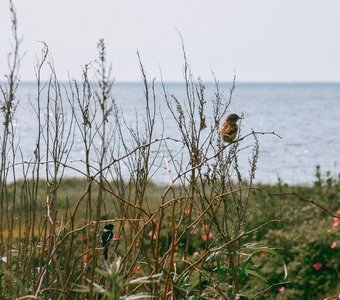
303, 236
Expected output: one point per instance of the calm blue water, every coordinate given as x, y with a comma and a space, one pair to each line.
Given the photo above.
305, 115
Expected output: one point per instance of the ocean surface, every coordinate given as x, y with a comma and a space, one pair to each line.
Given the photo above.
305, 115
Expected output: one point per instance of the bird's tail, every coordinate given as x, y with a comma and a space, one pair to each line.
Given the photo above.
105, 252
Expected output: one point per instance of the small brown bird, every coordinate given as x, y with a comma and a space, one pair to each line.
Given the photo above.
229, 128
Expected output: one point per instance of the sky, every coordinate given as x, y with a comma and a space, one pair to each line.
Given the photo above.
257, 40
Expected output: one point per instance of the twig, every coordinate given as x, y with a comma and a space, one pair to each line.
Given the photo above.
199, 165
219, 248
268, 288
307, 200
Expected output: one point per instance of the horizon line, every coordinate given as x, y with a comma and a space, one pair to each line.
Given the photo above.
204, 82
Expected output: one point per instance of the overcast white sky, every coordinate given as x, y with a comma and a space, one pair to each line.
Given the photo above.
261, 40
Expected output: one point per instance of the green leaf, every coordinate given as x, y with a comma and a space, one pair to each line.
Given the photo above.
256, 274
243, 269
103, 273
271, 251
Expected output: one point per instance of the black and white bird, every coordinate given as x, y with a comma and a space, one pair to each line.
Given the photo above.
106, 237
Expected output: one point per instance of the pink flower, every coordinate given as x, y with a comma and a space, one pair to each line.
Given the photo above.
115, 237
187, 211
155, 224
153, 234
317, 266
196, 253
281, 289
263, 253
333, 245
336, 221
193, 229
205, 237
205, 227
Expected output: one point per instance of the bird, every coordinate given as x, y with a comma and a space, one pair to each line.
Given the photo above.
106, 237
229, 128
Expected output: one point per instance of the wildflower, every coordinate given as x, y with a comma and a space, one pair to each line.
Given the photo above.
154, 222
264, 253
81, 238
196, 253
336, 221
187, 211
333, 245
281, 289
138, 268
317, 266
205, 237
193, 229
85, 258
153, 234
205, 227
115, 236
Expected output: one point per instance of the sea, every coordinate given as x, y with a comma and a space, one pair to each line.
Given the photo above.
305, 118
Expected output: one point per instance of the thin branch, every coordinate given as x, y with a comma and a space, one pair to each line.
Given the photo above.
307, 200
268, 288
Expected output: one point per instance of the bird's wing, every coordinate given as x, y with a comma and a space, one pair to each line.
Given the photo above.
229, 129
232, 130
